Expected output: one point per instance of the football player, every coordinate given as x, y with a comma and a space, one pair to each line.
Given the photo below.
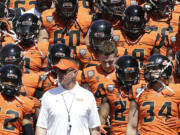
99, 32
94, 76
155, 102
27, 30
135, 36
15, 109
162, 16
12, 54
66, 23
116, 102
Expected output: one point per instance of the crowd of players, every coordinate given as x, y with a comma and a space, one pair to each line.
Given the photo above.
127, 52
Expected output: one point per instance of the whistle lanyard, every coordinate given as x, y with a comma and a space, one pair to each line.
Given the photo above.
68, 111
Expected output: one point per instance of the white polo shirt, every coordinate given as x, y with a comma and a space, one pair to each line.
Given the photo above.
83, 111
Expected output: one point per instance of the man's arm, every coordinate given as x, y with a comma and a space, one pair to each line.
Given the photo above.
95, 131
132, 119
104, 110
27, 126
40, 131
103, 114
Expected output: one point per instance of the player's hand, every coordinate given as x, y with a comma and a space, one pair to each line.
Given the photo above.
102, 129
173, 122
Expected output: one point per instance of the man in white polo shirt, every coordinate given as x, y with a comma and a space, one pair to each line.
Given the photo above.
68, 109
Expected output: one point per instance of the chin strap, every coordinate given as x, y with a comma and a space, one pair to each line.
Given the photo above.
165, 86
19, 99
41, 53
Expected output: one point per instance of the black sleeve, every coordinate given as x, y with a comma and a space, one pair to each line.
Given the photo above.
28, 129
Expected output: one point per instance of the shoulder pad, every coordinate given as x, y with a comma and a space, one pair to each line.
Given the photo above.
49, 18
110, 87
82, 52
90, 73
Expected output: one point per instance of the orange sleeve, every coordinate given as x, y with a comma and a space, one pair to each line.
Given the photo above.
43, 46
28, 105
8, 40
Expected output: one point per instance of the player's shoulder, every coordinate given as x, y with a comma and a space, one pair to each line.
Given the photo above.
90, 71
48, 12
31, 77
137, 89
43, 45
175, 87
81, 50
110, 86
48, 16
81, 47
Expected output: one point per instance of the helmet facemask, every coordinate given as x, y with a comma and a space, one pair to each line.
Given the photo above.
113, 7
127, 77
134, 21
27, 32
155, 72
10, 85
97, 38
67, 9
162, 8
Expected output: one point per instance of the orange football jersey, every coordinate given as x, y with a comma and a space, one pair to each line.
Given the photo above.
86, 56
94, 76
26, 4
169, 30
12, 114
140, 49
30, 83
177, 7
119, 107
71, 34
155, 108
34, 56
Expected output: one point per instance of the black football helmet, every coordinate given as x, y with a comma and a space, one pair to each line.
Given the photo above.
11, 54
113, 8
100, 30
157, 67
66, 9
134, 21
10, 80
160, 8
177, 64
27, 29
57, 52
127, 71
42, 5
